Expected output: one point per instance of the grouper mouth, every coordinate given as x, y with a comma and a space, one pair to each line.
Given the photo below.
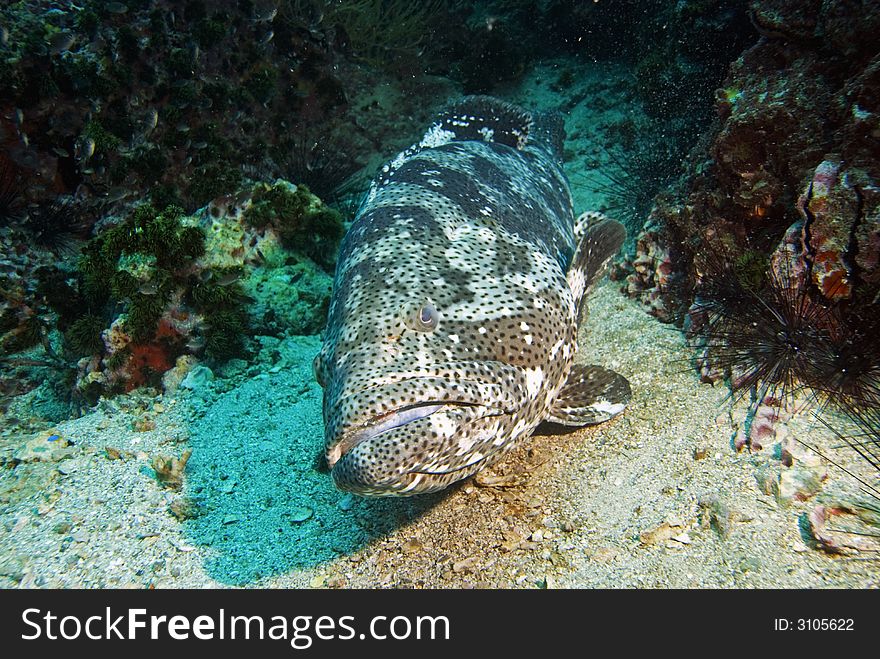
386, 422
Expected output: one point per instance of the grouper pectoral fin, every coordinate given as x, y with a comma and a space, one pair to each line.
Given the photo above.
599, 239
591, 394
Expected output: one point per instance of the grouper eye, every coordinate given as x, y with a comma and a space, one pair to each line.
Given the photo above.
426, 318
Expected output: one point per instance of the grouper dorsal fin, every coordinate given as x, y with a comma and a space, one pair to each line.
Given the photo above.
600, 239
487, 119
484, 119
591, 394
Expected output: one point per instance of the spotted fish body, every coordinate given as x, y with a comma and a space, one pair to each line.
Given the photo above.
452, 328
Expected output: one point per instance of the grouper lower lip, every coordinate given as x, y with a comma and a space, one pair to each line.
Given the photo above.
385, 423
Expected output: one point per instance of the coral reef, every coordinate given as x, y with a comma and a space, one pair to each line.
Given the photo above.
767, 249
157, 290
793, 157
181, 104
170, 102
301, 221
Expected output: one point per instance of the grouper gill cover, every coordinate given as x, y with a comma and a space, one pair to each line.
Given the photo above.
452, 329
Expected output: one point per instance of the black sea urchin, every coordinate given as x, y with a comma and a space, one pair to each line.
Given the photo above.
773, 335
320, 160
767, 337
848, 375
11, 192
56, 224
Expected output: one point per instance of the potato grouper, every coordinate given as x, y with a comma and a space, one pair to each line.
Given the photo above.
452, 327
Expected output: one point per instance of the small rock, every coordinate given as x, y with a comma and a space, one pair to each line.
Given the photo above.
549, 523
181, 547
12, 567
174, 376
768, 481
336, 582
674, 520
701, 453
412, 546
231, 519
185, 508
683, 538
604, 555
655, 536
346, 503
465, 565
198, 377
716, 514
800, 483
48, 446
301, 514
143, 425
749, 564
62, 527
488, 479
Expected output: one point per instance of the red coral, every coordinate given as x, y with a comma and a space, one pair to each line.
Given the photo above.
150, 360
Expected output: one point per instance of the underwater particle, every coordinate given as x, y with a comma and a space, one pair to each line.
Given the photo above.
169, 470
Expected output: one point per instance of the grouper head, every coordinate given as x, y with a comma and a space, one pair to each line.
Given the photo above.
410, 406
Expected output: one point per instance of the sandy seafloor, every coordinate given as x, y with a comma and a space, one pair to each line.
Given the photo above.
656, 498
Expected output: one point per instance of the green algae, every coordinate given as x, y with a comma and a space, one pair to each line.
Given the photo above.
303, 222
